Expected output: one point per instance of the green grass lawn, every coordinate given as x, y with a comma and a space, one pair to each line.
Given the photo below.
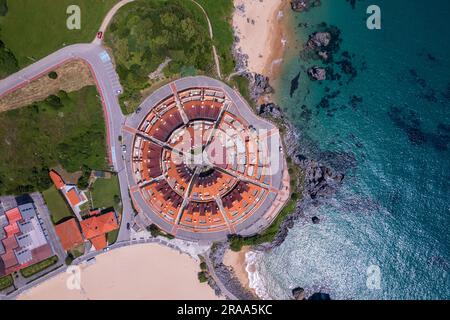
38, 267
220, 13
106, 193
69, 130
6, 282
58, 207
112, 236
32, 29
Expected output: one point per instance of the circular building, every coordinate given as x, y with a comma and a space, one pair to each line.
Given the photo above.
202, 165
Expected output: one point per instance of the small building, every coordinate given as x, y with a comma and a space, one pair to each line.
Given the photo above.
69, 234
22, 240
96, 227
74, 197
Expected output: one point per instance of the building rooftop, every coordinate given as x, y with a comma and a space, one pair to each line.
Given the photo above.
69, 234
57, 180
96, 227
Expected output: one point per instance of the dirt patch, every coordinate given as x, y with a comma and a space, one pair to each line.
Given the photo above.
68, 177
69, 77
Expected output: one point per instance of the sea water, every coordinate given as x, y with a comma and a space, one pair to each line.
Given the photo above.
386, 233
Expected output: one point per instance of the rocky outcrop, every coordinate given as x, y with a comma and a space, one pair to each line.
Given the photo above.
299, 293
315, 220
226, 274
259, 85
319, 40
304, 5
320, 181
270, 110
317, 73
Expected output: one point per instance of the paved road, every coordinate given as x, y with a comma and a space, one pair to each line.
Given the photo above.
109, 88
108, 19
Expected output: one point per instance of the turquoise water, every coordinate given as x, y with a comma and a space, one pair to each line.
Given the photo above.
393, 210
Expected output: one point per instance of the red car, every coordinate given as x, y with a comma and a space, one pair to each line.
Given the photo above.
100, 35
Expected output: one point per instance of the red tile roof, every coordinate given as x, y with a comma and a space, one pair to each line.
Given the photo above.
69, 234
57, 180
73, 197
95, 228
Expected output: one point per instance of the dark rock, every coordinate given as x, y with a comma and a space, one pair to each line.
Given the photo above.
304, 5
320, 296
259, 86
317, 73
315, 220
298, 293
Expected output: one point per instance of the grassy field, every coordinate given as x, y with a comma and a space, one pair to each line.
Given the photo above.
57, 205
38, 267
220, 14
67, 129
112, 236
6, 282
32, 29
106, 193
147, 32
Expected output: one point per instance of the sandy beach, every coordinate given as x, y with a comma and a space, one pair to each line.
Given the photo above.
146, 271
259, 25
237, 260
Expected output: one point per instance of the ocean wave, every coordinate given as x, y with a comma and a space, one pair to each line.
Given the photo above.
255, 280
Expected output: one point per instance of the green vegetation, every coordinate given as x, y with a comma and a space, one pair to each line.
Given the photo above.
74, 253
203, 276
8, 62
106, 193
53, 75
6, 282
155, 231
38, 267
220, 14
112, 236
67, 129
144, 33
242, 84
32, 29
3, 8
237, 242
203, 266
58, 207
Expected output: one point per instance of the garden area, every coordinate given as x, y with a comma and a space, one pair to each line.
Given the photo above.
38, 267
57, 205
6, 282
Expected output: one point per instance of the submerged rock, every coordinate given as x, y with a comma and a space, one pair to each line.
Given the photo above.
317, 73
315, 220
304, 5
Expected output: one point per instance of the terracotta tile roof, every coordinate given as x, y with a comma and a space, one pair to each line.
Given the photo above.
13, 215
73, 197
57, 180
95, 228
99, 242
69, 234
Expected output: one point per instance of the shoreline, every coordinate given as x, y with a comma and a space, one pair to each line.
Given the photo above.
265, 18
278, 35
130, 273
